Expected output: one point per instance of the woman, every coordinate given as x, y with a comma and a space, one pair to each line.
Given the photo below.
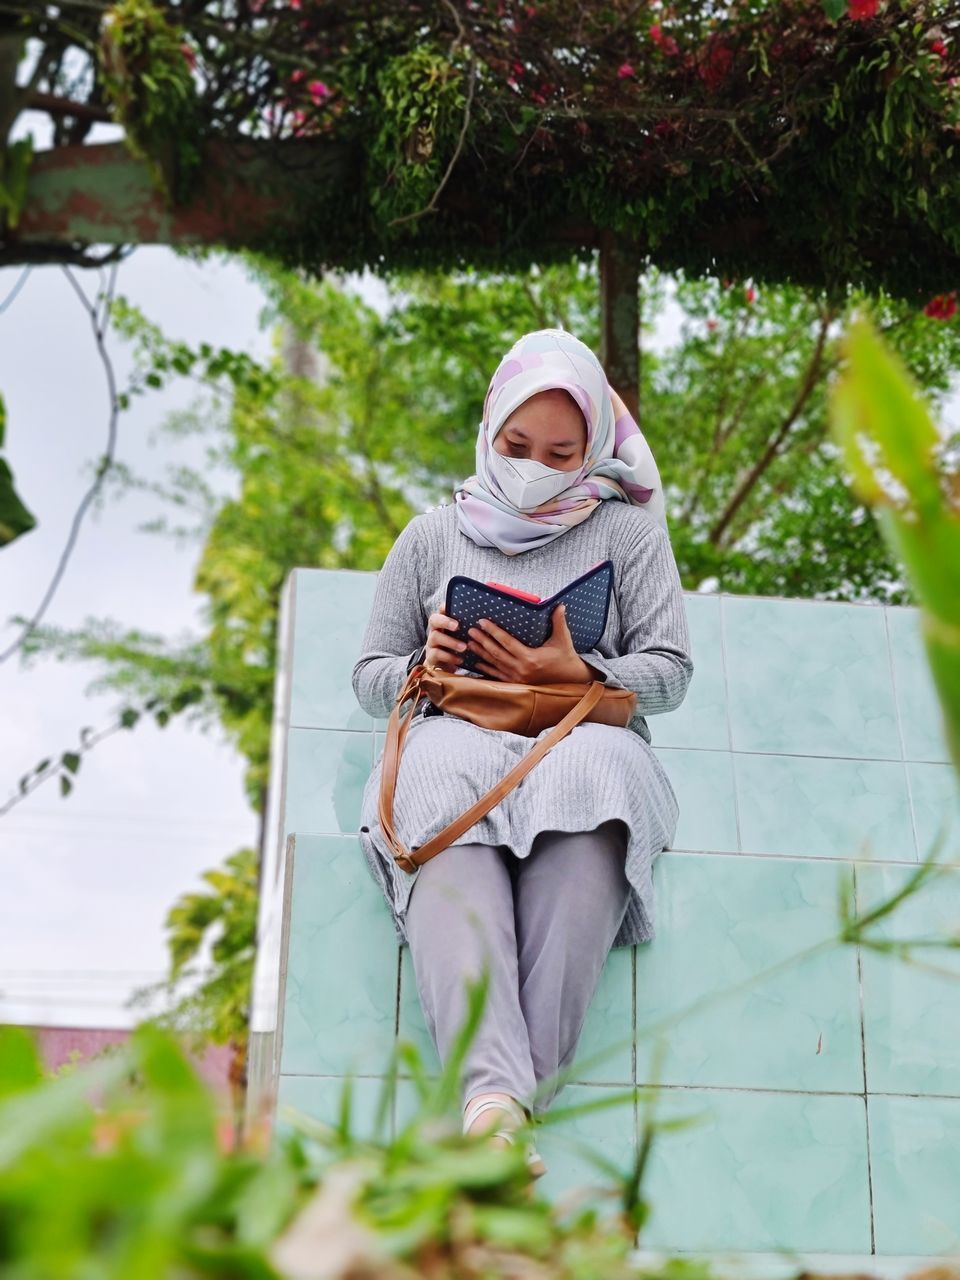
560, 870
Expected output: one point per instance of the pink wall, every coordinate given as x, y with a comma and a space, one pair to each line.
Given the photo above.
57, 1043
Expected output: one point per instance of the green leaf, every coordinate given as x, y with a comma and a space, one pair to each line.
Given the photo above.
129, 717
66, 786
70, 760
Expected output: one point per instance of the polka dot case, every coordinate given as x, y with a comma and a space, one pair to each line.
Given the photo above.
587, 599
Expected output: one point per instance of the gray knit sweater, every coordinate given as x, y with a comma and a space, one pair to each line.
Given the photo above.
645, 645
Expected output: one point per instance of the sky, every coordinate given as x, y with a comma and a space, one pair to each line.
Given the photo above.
88, 879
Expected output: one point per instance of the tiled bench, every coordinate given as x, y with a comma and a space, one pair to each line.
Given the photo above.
828, 1091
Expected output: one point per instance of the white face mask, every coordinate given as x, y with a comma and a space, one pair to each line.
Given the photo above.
526, 483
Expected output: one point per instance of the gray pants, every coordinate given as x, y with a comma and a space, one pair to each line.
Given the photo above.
544, 924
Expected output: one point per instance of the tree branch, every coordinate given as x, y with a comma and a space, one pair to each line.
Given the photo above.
745, 487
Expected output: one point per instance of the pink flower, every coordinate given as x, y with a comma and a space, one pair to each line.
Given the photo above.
318, 90
624, 70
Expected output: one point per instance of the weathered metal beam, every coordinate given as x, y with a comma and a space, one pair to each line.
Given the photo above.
102, 194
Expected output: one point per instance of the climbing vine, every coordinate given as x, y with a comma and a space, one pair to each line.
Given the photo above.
147, 65
803, 141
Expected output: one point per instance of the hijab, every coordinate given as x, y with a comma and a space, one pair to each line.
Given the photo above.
617, 463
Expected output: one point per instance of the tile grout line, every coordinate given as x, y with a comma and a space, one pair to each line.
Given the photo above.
903, 747
763, 1091
798, 857
863, 1059
677, 746
726, 701
396, 1035
633, 1016
633, 1055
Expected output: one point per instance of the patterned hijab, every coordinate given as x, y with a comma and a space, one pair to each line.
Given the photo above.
617, 463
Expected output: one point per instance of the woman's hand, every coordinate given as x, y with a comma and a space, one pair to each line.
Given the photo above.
442, 649
506, 658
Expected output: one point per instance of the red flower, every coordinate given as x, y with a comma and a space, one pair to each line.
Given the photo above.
858, 10
750, 293
666, 44
942, 306
938, 46
624, 70
189, 55
716, 64
711, 325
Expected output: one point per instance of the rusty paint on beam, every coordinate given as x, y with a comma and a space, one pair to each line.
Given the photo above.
104, 195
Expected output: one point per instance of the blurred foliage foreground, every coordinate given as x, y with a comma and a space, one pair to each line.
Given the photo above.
119, 1169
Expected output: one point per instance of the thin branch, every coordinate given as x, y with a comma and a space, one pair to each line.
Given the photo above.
56, 106
21, 281
56, 767
746, 485
431, 206
103, 466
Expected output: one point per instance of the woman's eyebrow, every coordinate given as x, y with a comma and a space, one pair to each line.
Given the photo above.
557, 444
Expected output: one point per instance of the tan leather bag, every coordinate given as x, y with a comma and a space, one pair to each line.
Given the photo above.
492, 704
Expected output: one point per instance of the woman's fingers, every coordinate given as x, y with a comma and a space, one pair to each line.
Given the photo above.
442, 649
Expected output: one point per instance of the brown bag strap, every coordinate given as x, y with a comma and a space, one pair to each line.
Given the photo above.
408, 859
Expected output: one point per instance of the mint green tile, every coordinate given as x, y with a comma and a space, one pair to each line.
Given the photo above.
320, 1098
341, 987
936, 809
912, 1015
723, 922
761, 1171
701, 719
326, 773
914, 1145
703, 782
808, 805
608, 1131
809, 678
607, 1032
331, 609
412, 1024
921, 719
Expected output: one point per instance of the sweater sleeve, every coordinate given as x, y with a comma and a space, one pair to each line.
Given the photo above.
397, 625
655, 659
